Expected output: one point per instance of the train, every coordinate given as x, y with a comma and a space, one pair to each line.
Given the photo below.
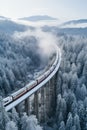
14, 96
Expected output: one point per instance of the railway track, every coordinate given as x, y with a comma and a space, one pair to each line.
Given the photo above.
17, 97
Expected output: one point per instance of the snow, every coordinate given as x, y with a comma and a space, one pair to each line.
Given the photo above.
13, 104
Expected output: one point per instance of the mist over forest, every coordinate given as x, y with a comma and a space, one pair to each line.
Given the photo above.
21, 56
71, 86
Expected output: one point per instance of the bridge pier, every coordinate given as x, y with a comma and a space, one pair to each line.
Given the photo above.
53, 95
27, 106
47, 94
36, 104
19, 108
42, 104
50, 97
47, 103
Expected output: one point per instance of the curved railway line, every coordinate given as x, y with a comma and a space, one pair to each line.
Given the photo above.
17, 97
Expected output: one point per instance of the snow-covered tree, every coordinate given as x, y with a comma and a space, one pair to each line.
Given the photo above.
85, 102
62, 126
69, 122
3, 116
11, 126
74, 108
15, 116
83, 92
77, 122
61, 109
74, 82
85, 69
29, 123
73, 128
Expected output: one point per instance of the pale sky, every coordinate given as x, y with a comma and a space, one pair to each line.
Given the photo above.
62, 9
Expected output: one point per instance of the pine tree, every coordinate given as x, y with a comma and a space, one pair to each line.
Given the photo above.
69, 122
73, 128
29, 123
62, 126
11, 126
15, 116
77, 122
83, 92
74, 108
24, 121
74, 82
3, 116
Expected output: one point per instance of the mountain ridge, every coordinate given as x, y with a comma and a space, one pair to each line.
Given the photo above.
38, 18
79, 21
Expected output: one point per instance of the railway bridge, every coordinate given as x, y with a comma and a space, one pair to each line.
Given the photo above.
41, 99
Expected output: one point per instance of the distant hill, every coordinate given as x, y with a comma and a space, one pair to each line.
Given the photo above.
4, 18
61, 31
74, 31
9, 26
80, 21
38, 18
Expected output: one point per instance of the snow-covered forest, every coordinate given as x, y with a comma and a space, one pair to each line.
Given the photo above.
71, 110
12, 121
16, 59
20, 57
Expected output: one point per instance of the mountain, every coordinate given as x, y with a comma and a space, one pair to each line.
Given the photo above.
38, 18
74, 31
4, 18
80, 21
9, 26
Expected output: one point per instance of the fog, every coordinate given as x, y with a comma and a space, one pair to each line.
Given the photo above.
46, 41
21, 55
28, 52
